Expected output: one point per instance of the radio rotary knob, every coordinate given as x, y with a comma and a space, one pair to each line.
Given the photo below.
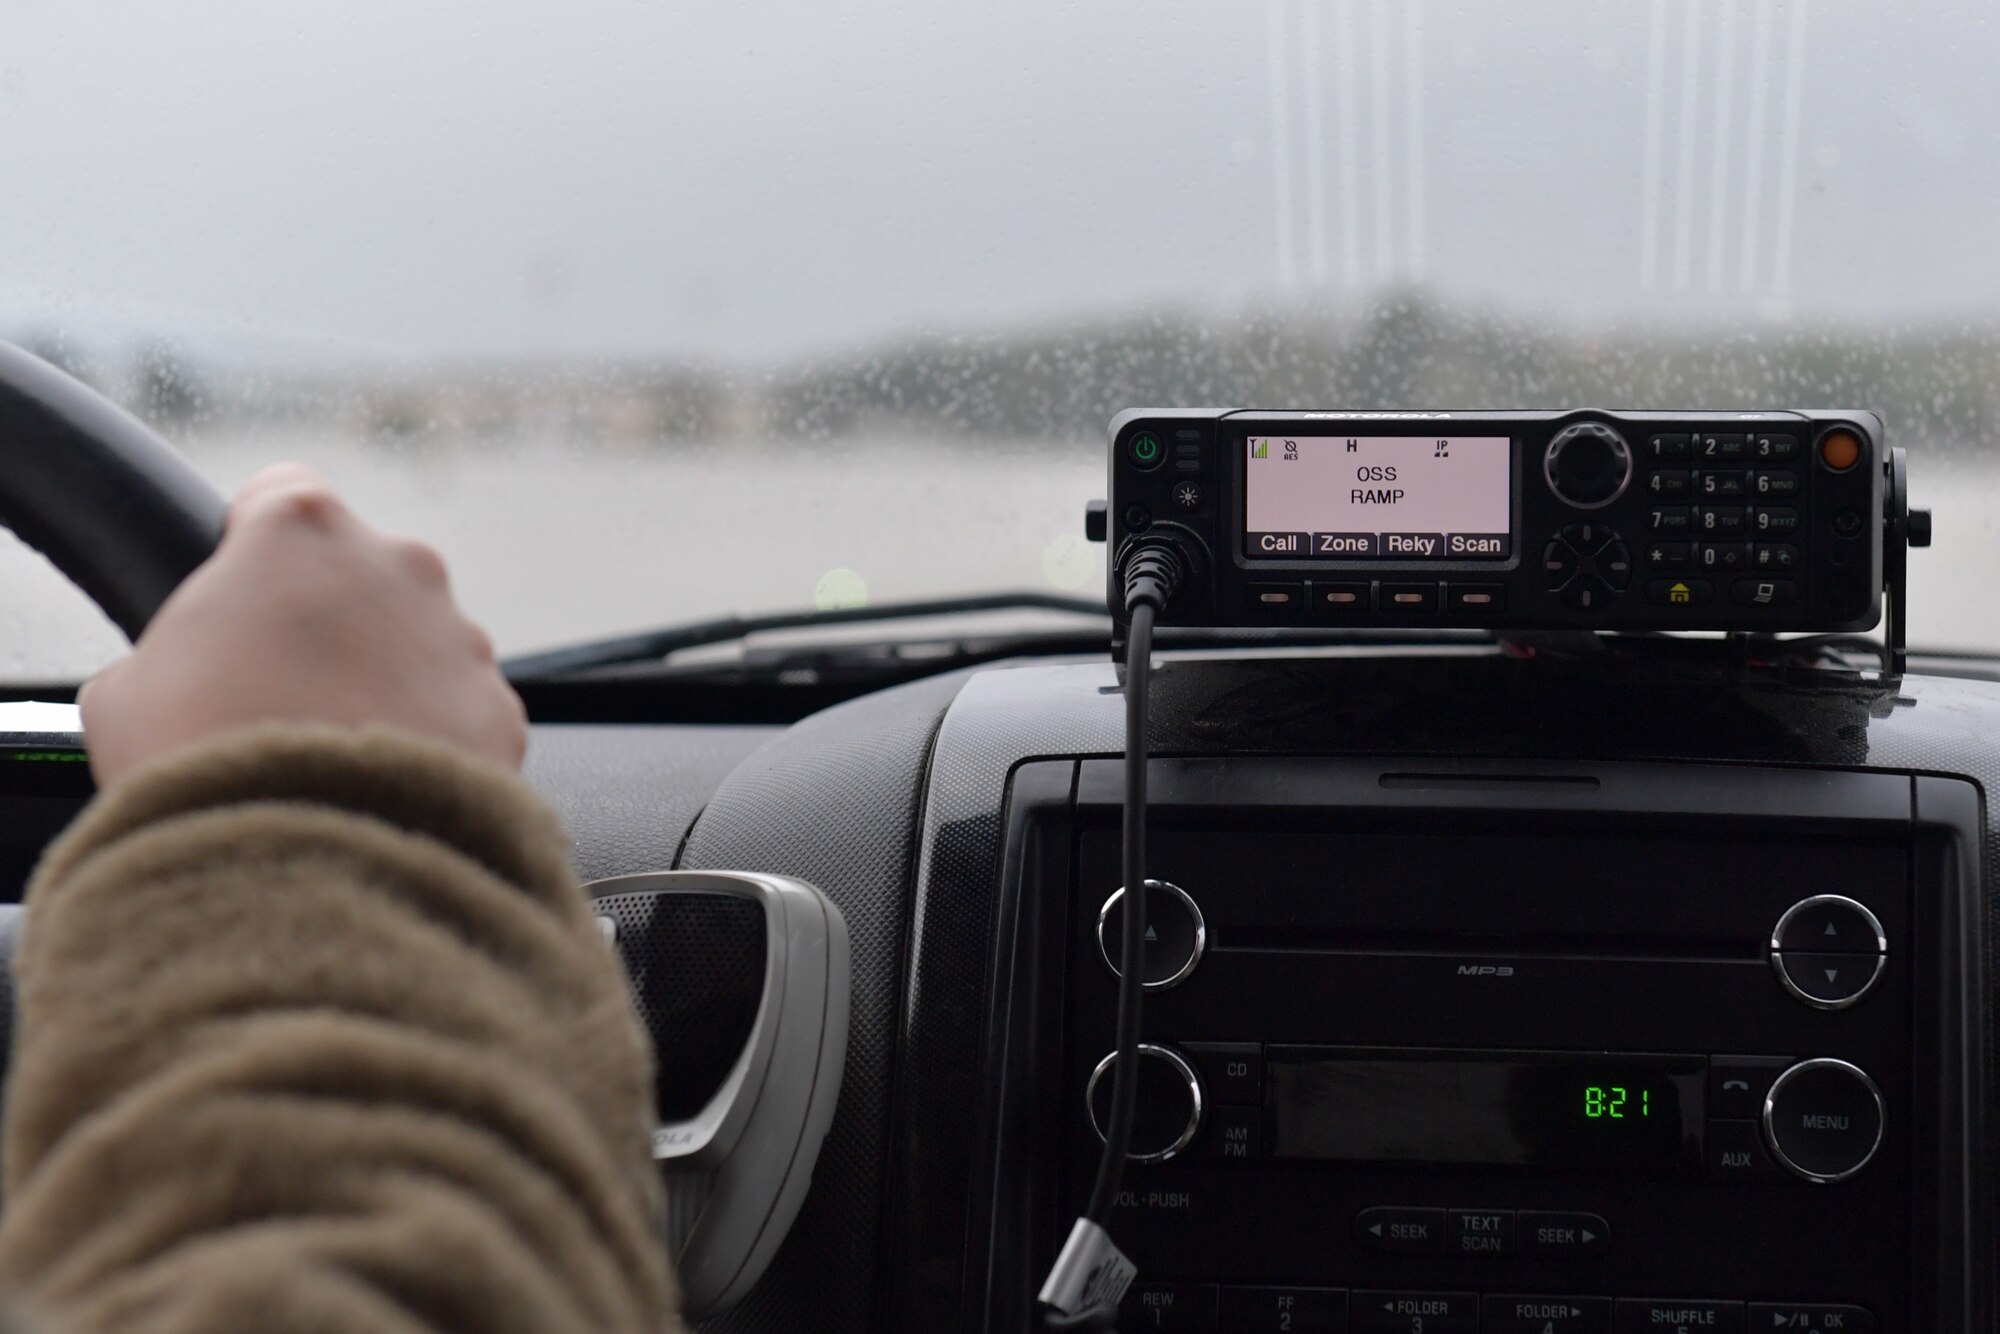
1169, 1107
1588, 465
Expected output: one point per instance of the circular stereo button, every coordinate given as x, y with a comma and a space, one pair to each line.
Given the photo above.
1169, 1107
1145, 450
1824, 1120
1175, 935
1828, 950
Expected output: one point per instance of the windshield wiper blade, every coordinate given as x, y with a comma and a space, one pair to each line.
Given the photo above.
653, 645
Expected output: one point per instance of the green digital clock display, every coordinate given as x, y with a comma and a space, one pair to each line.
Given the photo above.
1616, 1101
1640, 1115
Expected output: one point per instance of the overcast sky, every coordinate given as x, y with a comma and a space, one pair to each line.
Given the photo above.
754, 181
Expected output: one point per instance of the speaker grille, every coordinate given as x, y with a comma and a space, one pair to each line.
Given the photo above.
695, 964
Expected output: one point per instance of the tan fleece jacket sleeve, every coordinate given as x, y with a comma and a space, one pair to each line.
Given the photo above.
317, 1034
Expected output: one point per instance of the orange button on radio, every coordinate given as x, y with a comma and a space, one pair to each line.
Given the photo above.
1839, 450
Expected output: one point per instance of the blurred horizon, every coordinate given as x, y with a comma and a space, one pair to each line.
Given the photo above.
1062, 380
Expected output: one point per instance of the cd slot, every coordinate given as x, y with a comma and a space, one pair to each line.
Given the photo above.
1309, 940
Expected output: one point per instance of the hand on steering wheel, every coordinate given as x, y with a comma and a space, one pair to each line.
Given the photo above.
304, 613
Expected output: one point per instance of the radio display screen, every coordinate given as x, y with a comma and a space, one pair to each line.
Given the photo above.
1379, 497
1621, 1113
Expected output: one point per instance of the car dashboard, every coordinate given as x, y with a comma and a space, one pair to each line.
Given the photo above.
1562, 881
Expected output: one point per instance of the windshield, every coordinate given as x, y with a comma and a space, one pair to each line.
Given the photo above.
649, 312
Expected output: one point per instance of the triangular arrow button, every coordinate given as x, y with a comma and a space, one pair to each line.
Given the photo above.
1832, 974
1152, 936
1830, 931
1588, 1236
1377, 1230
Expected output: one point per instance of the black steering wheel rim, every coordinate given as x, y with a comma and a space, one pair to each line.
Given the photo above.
111, 505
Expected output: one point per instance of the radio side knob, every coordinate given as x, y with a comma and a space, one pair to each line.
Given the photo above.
1588, 465
1170, 1104
1824, 1120
1176, 935
1829, 950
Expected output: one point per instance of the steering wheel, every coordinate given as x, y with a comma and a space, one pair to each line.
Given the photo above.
112, 505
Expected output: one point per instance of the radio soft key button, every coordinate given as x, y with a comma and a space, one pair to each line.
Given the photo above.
1812, 1316
1234, 1133
1413, 1312
1403, 1231
1284, 1310
1674, 1314
1189, 1306
1555, 1235
1737, 1085
1736, 1152
1481, 1232
1546, 1315
1233, 1072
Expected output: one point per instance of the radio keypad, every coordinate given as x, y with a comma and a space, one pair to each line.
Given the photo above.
1670, 448
1722, 557
1721, 521
1774, 556
1680, 592
1204, 1308
1738, 530
1763, 593
1672, 521
1775, 521
1670, 484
